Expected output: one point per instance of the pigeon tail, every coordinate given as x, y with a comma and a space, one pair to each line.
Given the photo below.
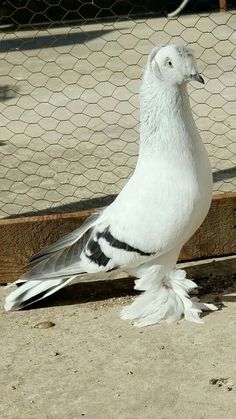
30, 292
166, 302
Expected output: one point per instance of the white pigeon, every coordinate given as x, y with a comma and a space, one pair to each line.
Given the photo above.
162, 205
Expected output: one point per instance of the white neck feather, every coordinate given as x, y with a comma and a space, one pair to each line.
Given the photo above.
166, 117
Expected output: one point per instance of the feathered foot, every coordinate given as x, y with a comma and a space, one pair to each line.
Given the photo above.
168, 301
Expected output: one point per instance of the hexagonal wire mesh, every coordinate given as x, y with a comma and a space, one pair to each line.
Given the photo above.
69, 95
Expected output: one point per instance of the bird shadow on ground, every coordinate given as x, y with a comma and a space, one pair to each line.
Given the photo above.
215, 280
87, 292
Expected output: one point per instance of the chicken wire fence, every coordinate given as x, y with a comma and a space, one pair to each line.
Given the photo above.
69, 110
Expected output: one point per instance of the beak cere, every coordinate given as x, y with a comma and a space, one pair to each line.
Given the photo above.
197, 77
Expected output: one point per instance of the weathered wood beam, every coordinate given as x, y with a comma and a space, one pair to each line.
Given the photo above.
217, 235
21, 238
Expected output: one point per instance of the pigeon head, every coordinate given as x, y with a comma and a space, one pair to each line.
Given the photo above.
174, 64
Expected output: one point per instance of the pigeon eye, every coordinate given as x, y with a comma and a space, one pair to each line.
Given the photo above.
170, 64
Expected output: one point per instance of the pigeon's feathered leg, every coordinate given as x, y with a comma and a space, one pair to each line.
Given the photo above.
166, 295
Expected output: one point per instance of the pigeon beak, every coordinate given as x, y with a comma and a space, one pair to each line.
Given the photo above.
197, 77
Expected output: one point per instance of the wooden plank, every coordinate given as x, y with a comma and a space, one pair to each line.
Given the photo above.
216, 236
21, 238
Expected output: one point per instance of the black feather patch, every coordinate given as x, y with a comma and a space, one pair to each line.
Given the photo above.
119, 244
96, 255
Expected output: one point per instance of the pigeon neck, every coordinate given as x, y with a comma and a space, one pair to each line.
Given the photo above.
164, 110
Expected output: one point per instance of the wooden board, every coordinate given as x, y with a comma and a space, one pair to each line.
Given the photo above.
21, 238
217, 235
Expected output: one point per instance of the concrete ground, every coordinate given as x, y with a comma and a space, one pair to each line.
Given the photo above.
92, 364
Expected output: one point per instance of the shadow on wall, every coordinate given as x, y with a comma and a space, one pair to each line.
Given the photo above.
107, 200
50, 40
224, 174
82, 205
8, 92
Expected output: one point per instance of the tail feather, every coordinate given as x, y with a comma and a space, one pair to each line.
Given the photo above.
32, 291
